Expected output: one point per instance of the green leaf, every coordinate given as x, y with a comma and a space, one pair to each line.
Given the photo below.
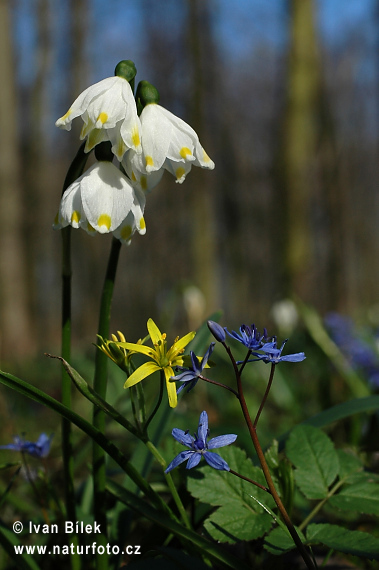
272, 455
280, 541
343, 540
349, 464
231, 524
240, 516
361, 498
315, 459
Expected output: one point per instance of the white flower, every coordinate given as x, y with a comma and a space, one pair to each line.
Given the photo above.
102, 200
170, 143
109, 112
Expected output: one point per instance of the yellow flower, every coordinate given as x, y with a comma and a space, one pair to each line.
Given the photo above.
162, 358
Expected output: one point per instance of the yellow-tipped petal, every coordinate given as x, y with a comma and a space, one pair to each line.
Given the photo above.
104, 220
141, 373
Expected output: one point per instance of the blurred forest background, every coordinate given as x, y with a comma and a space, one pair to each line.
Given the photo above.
284, 96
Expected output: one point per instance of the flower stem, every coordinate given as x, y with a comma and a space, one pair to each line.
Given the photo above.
249, 480
219, 384
75, 170
162, 378
170, 483
254, 437
272, 372
100, 386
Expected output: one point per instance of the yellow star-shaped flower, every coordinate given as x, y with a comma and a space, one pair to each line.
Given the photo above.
162, 358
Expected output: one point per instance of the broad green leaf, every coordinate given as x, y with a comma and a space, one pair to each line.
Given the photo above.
315, 459
222, 488
349, 464
240, 516
280, 541
344, 540
232, 523
361, 498
272, 455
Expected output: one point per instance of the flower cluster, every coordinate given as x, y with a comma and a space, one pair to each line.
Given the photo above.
104, 199
261, 346
38, 449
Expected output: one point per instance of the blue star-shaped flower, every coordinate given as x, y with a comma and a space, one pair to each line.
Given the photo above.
200, 448
38, 449
249, 337
272, 354
191, 376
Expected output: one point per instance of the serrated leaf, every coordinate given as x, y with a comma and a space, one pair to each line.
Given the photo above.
349, 463
231, 524
361, 498
316, 461
349, 541
222, 488
280, 541
240, 516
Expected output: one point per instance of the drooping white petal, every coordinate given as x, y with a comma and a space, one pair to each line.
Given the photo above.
107, 196
83, 100
134, 221
157, 133
71, 206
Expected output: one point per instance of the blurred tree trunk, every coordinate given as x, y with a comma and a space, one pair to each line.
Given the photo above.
15, 317
204, 257
299, 148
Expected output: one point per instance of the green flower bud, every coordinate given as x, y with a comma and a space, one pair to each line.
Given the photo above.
126, 69
146, 94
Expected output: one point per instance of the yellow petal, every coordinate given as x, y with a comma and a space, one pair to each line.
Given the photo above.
154, 332
141, 373
171, 387
137, 348
180, 344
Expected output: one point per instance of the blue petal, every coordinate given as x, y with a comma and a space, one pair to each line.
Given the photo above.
186, 376
183, 437
202, 430
217, 331
183, 456
195, 363
207, 355
221, 441
193, 460
298, 357
215, 461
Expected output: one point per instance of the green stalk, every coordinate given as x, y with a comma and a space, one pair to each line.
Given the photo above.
265, 468
75, 170
100, 387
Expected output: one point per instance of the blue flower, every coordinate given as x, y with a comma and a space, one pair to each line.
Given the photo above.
273, 354
38, 449
249, 337
199, 447
191, 376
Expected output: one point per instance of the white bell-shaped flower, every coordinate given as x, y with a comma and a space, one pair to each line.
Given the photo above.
168, 142
101, 200
109, 112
